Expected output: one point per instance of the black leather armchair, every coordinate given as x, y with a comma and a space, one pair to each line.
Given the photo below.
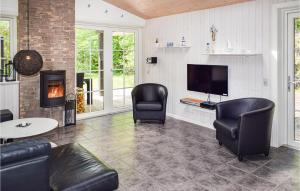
24, 166
149, 102
244, 125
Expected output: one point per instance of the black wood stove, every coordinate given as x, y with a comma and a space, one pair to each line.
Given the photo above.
52, 88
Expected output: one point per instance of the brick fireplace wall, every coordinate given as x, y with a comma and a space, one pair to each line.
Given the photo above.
52, 34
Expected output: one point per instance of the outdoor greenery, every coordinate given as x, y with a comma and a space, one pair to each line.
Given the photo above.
4, 32
89, 44
87, 41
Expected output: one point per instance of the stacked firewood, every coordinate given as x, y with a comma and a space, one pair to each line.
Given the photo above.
80, 100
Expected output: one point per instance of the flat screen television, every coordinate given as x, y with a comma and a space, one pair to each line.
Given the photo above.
211, 79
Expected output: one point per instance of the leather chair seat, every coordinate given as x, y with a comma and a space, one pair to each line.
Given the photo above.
149, 106
73, 168
227, 127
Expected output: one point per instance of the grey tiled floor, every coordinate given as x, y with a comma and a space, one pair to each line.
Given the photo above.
178, 156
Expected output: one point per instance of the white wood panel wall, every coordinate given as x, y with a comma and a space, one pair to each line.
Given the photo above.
246, 25
9, 97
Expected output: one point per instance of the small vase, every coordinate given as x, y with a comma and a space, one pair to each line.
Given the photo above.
213, 46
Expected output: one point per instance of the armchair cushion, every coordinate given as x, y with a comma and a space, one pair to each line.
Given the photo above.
228, 127
149, 106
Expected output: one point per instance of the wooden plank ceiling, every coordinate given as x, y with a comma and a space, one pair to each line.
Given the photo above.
148, 9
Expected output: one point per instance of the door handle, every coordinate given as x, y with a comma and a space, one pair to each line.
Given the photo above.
295, 82
292, 82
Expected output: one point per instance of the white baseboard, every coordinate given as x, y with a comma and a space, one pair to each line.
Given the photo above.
99, 114
188, 120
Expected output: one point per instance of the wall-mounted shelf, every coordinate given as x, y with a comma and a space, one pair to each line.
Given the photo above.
9, 82
195, 102
173, 47
231, 53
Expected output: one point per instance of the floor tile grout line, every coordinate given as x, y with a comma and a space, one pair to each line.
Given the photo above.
251, 173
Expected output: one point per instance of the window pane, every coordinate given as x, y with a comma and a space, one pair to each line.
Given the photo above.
128, 59
82, 60
92, 81
5, 34
117, 59
88, 45
129, 78
117, 40
128, 100
97, 101
127, 42
118, 79
118, 98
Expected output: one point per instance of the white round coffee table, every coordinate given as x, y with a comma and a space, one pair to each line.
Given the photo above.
36, 126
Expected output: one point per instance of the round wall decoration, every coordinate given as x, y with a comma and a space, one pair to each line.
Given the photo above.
28, 62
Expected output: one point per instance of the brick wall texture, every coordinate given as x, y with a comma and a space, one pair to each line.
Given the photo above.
52, 34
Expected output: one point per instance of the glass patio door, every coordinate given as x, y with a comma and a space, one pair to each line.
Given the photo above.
294, 79
89, 70
123, 68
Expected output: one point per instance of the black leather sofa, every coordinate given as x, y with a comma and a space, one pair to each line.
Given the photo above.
149, 102
244, 125
6, 115
32, 165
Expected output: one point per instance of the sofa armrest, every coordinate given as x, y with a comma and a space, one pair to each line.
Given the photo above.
24, 150
136, 95
163, 96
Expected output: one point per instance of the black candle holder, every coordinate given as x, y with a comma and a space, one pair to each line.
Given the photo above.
10, 74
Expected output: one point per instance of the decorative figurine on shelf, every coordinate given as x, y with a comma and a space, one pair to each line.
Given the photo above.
156, 42
170, 44
229, 46
183, 42
208, 47
213, 31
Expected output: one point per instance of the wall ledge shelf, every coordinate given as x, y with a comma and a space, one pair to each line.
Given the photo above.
170, 47
195, 103
9, 82
231, 53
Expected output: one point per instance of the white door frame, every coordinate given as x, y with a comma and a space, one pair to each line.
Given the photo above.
290, 59
108, 58
278, 70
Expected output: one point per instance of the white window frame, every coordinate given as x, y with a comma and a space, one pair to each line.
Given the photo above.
13, 33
